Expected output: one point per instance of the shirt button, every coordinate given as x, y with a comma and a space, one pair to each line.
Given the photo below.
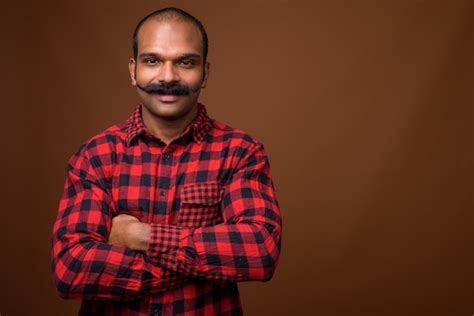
167, 156
162, 193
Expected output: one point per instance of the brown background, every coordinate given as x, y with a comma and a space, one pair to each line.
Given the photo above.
365, 109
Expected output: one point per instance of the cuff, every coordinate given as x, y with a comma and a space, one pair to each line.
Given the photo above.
171, 246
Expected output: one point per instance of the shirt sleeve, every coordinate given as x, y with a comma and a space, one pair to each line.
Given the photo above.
84, 265
246, 246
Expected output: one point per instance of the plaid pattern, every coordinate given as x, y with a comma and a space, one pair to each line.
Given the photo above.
200, 204
209, 199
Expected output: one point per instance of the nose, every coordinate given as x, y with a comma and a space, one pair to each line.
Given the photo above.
168, 73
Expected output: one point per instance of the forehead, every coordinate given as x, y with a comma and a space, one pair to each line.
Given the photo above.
169, 37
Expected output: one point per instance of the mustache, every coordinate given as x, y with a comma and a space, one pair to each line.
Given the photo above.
174, 89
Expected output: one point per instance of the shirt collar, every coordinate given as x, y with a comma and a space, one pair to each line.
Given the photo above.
198, 127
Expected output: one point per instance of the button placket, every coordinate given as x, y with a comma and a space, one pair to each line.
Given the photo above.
164, 178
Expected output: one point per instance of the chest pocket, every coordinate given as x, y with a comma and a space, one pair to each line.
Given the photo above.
200, 204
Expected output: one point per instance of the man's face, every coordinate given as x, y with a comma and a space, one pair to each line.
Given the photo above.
169, 53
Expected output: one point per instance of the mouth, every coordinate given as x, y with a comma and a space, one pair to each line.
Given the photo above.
168, 98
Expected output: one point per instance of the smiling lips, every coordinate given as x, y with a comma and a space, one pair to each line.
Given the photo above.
168, 98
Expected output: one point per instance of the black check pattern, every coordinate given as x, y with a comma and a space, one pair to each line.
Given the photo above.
209, 199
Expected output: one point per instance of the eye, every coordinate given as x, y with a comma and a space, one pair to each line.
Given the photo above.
150, 61
186, 62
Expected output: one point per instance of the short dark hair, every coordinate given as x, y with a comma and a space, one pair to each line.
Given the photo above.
168, 13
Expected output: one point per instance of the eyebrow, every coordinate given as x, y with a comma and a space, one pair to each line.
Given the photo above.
182, 56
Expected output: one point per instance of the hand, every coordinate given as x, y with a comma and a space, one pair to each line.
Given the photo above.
128, 231
120, 232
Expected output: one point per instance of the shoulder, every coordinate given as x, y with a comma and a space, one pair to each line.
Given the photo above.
235, 141
232, 136
101, 149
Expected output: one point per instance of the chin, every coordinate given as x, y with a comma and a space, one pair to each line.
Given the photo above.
169, 111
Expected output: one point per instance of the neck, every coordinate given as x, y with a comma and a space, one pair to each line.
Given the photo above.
167, 129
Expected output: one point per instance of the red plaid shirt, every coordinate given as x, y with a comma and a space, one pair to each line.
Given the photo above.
209, 199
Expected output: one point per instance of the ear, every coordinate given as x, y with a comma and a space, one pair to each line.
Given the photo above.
205, 76
132, 69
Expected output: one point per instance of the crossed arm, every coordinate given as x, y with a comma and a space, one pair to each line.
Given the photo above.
127, 231
97, 254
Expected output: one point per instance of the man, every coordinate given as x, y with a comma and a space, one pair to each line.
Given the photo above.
162, 214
